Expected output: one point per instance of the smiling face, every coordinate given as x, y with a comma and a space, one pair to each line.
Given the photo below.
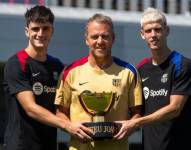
155, 34
100, 39
39, 27
39, 34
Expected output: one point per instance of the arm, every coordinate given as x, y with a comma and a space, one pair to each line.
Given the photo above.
168, 112
63, 102
135, 107
37, 112
76, 129
181, 86
128, 126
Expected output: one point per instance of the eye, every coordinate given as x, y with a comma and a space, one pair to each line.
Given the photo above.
35, 29
46, 28
94, 37
102, 36
106, 36
158, 30
148, 31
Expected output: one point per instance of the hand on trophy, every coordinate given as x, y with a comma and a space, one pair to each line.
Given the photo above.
97, 105
127, 128
99, 89
81, 132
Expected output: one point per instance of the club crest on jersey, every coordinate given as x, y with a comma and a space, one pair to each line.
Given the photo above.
164, 78
116, 82
55, 75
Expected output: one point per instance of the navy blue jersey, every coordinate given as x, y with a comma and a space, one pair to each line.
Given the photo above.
23, 73
172, 77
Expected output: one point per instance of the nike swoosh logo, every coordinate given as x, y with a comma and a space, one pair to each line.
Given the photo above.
35, 74
144, 79
82, 83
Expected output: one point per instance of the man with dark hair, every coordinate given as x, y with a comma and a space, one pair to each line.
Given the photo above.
30, 79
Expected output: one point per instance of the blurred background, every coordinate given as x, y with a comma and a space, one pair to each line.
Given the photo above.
68, 41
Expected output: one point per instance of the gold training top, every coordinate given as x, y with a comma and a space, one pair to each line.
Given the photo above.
120, 78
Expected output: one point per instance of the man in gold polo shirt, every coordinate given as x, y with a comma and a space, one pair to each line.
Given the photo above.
99, 72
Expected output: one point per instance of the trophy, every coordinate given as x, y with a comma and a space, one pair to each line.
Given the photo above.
97, 105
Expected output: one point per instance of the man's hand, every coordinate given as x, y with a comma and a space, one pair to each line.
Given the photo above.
81, 132
127, 128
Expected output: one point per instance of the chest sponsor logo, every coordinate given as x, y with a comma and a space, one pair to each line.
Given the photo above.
116, 82
146, 92
153, 93
38, 89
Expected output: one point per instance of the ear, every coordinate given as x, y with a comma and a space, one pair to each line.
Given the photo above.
87, 43
143, 37
26, 31
142, 34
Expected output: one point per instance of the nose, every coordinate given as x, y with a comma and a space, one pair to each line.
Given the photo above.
100, 39
40, 32
153, 32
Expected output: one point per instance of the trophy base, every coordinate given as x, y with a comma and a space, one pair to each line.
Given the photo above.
103, 130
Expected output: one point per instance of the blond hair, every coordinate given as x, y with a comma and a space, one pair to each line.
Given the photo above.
152, 15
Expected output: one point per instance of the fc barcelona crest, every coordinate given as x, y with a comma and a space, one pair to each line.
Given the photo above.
116, 82
55, 75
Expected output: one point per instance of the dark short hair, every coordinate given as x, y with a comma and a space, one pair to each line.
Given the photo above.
40, 14
100, 18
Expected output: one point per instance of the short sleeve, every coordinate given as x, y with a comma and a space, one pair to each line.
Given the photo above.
15, 79
182, 79
135, 91
63, 92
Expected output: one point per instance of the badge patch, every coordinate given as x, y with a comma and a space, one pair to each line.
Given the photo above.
116, 82
55, 75
164, 78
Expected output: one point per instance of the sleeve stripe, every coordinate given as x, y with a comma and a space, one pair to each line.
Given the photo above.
22, 56
126, 65
144, 61
176, 59
74, 65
